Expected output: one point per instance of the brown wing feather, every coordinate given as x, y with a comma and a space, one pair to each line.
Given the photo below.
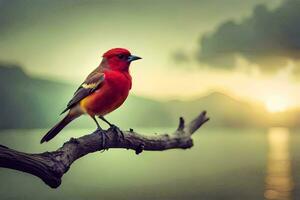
93, 82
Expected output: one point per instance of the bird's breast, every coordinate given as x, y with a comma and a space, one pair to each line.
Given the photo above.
110, 96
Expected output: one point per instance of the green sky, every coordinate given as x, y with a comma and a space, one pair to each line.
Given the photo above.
64, 40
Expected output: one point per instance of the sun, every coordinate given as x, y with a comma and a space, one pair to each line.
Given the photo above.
276, 104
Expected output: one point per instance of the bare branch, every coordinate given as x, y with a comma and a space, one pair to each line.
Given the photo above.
51, 166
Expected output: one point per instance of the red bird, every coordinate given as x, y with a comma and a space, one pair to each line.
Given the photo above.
104, 90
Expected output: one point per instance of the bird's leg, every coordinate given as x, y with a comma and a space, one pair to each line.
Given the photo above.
95, 120
102, 133
113, 127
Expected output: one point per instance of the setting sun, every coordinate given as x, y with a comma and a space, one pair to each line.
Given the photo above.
276, 104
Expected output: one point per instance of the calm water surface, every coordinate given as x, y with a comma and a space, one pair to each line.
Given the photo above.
224, 164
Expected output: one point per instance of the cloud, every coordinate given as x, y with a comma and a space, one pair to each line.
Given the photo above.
268, 38
180, 56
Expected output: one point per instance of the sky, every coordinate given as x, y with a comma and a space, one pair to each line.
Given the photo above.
248, 49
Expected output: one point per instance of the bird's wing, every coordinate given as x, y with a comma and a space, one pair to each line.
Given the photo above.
93, 82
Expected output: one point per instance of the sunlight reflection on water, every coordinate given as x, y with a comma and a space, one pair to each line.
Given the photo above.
279, 181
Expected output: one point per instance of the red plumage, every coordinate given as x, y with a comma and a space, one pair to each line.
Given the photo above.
110, 96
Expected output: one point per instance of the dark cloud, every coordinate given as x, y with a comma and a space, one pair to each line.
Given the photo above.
180, 56
268, 38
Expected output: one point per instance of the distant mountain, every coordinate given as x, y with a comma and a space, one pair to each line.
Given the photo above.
29, 102
223, 110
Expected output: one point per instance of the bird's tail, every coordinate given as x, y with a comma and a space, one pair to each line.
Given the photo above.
58, 127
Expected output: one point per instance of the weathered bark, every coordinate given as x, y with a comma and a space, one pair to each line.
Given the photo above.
51, 166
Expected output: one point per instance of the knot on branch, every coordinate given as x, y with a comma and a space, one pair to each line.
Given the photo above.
181, 124
139, 149
73, 140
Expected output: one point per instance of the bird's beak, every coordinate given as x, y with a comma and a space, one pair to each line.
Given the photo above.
133, 58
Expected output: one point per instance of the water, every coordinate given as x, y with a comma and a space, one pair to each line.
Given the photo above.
224, 164
279, 179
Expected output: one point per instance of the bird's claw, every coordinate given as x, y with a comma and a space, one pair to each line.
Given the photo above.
117, 130
104, 137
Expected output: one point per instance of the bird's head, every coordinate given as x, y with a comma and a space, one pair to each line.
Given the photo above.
119, 59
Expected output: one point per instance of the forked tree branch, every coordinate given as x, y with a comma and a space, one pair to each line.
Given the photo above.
51, 166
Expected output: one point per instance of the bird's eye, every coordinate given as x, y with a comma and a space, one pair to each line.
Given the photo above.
122, 56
